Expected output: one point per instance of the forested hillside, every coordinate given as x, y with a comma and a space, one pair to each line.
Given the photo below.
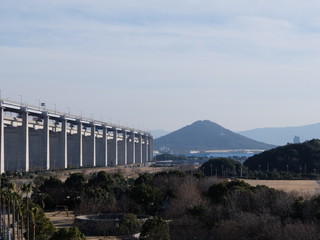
299, 158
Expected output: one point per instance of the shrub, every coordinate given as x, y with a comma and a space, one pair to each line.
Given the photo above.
129, 225
155, 229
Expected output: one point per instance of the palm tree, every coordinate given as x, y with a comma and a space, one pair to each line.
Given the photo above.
1, 213
14, 196
8, 196
3, 203
34, 211
15, 215
26, 188
20, 218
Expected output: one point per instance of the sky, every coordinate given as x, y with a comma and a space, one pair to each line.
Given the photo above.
154, 64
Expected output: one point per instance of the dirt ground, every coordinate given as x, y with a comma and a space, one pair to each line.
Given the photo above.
303, 187
61, 219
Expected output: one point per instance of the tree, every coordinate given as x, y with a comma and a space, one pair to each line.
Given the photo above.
222, 167
96, 200
74, 187
129, 224
55, 192
147, 196
155, 229
41, 225
76, 181
218, 192
72, 233
26, 189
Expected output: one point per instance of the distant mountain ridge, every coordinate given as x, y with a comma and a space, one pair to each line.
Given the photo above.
283, 135
158, 133
206, 135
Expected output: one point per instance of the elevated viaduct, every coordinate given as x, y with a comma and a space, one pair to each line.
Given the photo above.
34, 138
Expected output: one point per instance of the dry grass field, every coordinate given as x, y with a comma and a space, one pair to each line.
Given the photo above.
303, 187
126, 171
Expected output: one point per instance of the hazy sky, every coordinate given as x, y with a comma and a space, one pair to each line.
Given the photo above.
165, 64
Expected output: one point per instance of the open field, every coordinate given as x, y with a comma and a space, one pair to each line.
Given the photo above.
303, 187
127, 171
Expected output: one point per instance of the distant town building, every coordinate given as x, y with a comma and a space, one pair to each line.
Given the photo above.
296, 139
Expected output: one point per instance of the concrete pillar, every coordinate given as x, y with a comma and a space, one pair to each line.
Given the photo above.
115, 146
79, 137
46, 137
150, 149
105, 145
146, 148
24, 141
93, 145
133, 147
2, 170
64, 143
125, 147
140, 148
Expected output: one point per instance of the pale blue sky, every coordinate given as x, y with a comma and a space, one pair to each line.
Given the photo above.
164, 64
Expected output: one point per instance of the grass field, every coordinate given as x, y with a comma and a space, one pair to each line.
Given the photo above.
303, 187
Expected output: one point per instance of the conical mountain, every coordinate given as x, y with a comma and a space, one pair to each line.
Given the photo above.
206, 135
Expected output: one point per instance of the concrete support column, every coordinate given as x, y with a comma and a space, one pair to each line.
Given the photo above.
24, 141
2, 170
64, 143
150, 149
133, 149
115, 146
105, 145
125, 147
140, 148
146, 148
79, 137
93, 145
46, 137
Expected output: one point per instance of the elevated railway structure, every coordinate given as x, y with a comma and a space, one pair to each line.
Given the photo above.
35, 138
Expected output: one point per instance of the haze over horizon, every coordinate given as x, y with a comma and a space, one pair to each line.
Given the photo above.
163, 64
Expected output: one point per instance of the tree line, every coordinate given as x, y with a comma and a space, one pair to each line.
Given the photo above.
185, 205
